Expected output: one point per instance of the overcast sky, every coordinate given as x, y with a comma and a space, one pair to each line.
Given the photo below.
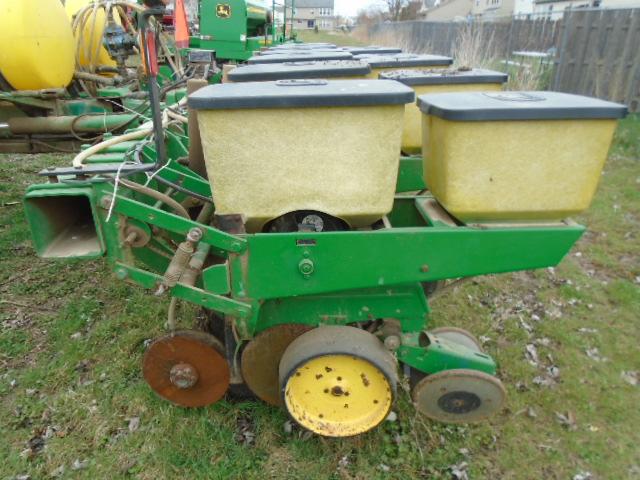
351, 7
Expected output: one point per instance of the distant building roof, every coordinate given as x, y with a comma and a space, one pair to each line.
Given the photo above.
312, 3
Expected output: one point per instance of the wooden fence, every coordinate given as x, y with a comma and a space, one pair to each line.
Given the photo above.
596, 52
441, 37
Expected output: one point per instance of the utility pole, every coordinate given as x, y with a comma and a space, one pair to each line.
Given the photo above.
273, 19
293, 14
284, 23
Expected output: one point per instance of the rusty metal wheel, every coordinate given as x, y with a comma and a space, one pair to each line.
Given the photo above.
261, 358
338, 381
187, 368
459, 336
459, 396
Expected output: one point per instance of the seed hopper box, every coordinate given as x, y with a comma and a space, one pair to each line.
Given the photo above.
342, 158
328, 69
438, 81
299, 57
515, 156
403, 61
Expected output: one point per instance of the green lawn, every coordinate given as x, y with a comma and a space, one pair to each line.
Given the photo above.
337, 38
73, 403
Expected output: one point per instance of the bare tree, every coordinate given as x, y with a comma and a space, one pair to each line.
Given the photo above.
370, 16
395, 8
411, 11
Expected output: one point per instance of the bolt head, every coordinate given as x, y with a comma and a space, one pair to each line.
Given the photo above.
183, 376
424, 268
306, 267
105, 202
392, 342
195, 234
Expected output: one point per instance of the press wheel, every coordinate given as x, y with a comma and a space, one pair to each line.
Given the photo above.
459, 396
338, 381
261, 358
459, 336
187, 368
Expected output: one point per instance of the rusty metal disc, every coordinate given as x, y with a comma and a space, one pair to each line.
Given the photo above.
261, 357
187, 368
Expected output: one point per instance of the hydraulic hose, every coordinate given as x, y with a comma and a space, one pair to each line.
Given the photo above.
170, 202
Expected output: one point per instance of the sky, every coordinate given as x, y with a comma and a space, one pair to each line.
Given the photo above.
351, 7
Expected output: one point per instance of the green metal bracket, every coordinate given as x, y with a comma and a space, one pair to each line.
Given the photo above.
174, 223
410, 175
29, 100
431, 354
405, 303
194, 295
216, 279
394, 256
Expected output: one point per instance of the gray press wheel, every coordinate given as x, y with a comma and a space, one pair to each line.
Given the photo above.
459, 336
459, 396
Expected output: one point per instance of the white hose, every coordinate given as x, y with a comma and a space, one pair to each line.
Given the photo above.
144, 130
177, 116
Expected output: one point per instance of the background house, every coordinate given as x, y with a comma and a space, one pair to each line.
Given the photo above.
554, 9
449, 10
310, 14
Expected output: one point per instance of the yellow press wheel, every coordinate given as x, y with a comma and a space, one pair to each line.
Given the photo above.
338, 381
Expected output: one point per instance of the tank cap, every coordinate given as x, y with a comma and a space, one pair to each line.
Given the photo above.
300, 82
515, 97
300, 64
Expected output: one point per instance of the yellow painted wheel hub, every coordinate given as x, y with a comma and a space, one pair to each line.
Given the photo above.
338, 395
338, 381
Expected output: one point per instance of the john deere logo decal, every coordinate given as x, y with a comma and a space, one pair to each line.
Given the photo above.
223, 10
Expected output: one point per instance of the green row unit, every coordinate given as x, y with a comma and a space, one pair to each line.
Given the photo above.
233, 28
262, 280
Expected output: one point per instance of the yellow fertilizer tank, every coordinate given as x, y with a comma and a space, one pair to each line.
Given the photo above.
402, 61
438, 81
333, 69
89, 39
340, 157
37, 49
503, 157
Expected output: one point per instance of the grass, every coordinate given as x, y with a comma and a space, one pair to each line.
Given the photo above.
73, 403
335, 37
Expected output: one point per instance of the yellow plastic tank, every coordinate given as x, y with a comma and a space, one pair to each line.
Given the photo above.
438, 81
37, 49
89, 53
402, 61
504, 157
325, 146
